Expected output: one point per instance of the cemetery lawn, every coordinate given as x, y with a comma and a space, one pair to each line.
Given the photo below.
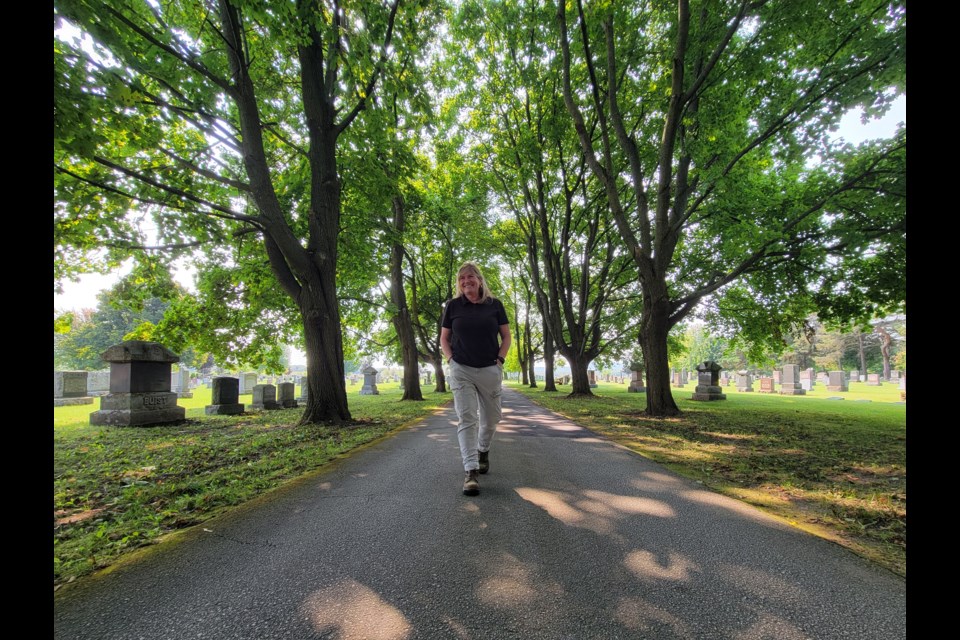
834, 468
116, 489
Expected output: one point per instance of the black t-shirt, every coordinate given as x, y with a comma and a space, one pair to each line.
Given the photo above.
475, 328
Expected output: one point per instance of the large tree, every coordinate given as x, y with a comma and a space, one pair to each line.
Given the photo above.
578, 270
711, 142
222, 119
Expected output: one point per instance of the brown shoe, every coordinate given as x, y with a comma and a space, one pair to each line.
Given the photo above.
484, 461
471, 486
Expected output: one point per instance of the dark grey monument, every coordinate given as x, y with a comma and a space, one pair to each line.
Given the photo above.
226, 397
791, 381
369, 387
286, 392
265, 397
592, 377
139, 386
744, 381
708, 382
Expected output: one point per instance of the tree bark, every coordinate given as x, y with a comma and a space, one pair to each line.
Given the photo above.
401, 319
549, 383
531, 352
441, 385
578, 375
885, 341
863, 353
654, 327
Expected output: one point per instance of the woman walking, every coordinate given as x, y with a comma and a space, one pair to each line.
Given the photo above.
475, 339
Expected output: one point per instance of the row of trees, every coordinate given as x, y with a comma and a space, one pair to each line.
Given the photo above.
618, 167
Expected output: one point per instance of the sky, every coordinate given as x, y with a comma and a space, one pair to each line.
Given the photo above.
83, 294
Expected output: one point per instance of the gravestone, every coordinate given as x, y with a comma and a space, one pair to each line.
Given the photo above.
766, 385
806, 379
592, 375
837, 381
70, 387
854, 375
684, 377
369, 381
791, 381
225, 397
180, 383
140, 392
247, 382
304, 390
98, 382
708, 382
286, 392
903, 387
265, 397
744, 382
873, 380
677, 381
823, 377
894, 376
636, 381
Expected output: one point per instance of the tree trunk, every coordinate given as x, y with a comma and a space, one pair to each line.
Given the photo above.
549, 384
327, 395
885, 341
863, 353
653, 341
578, 375
441, 386
531, 354
401, 319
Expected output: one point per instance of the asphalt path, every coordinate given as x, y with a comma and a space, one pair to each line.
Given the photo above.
571, 537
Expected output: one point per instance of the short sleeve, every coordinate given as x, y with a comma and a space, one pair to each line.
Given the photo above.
501, 314
447, 321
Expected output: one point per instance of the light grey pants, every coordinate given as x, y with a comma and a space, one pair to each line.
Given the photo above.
476, 397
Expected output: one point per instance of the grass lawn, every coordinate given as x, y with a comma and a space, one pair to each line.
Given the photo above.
118, 488
836, 468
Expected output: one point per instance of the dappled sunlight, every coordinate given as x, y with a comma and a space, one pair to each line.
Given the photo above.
645, 564
457, 628
731, 436
655, 481
628, 504
594, 510
769, 626
471, 507
510, 586
638, 615
351, 611
325, 486
717, 500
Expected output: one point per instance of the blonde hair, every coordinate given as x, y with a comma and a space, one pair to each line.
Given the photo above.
485, 294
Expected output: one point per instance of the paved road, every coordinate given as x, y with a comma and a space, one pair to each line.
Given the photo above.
571, 537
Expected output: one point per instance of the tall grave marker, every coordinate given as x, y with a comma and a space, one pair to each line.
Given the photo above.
140, 392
